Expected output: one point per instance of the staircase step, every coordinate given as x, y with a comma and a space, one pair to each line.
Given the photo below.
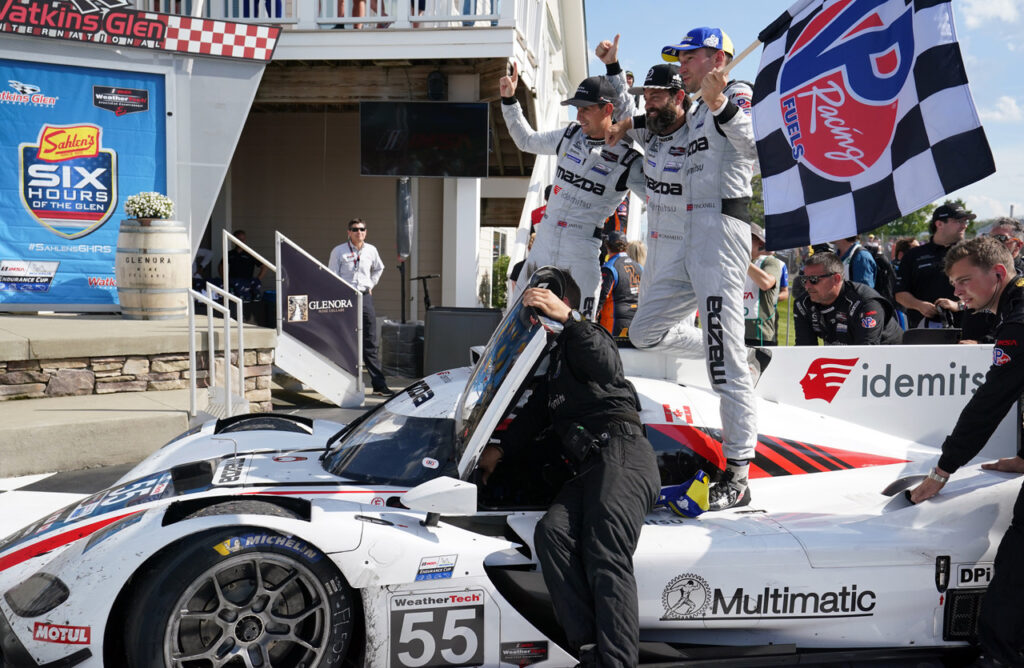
64, 433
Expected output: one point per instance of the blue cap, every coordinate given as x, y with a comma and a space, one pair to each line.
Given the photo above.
699, 38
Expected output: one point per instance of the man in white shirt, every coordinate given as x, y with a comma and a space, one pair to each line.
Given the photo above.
359, 264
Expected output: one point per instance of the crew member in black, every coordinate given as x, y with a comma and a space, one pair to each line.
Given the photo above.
620, 285
841, 312
981, 271
921, 285
585, 541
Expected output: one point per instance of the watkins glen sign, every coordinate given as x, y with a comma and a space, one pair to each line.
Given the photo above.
113, 22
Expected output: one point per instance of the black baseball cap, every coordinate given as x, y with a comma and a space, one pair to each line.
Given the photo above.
665, 75
616, 237
593, 90
947, 211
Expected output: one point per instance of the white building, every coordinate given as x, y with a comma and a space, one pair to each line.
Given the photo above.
296, 168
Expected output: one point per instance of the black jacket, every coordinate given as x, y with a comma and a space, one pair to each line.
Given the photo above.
858, 316
1003, 384
922, 273
584, 384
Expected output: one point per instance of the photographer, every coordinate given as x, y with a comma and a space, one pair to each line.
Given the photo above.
585, 541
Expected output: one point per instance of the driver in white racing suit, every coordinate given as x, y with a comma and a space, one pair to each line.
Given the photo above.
698, 165
590, 177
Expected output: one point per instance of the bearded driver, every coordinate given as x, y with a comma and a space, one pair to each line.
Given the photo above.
698, 186
982, 274
590, 177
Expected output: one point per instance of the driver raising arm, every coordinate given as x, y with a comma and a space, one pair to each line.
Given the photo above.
585, 541
982, 274
590, 177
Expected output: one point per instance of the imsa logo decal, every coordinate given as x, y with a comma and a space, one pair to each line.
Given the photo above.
68, 180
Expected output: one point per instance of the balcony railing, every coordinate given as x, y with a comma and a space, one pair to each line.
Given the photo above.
353, 14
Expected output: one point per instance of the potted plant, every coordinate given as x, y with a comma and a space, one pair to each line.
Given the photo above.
147, 206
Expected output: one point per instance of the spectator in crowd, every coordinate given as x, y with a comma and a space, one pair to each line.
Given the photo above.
783, 281
858, 265
517, 268
838, 311
761, 292
983, 277
629, 83
358, 263
619, 220
241, 281
538, 214
900, 249
638, 251
620, 285
873, 244
1010, 232
922, 287
591, 177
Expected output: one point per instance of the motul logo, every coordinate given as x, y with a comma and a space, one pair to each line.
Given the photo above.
825, 376
65, 635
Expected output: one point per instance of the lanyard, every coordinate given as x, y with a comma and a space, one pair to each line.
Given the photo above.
358, 253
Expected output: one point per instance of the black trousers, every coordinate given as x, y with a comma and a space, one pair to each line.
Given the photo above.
1001, 623
370, 360
585, 544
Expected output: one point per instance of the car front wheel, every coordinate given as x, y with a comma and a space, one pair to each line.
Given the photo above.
241, 597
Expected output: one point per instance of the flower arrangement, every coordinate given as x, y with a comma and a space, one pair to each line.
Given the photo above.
149, 205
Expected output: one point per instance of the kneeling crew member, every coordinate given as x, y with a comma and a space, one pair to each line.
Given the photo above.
841, 312
585, 541
982, 274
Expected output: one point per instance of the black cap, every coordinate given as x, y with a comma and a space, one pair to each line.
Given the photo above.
593, 90
665, 75
616, 237
946, 211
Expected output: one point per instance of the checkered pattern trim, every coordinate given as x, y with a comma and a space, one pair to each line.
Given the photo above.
935, 145
219, 38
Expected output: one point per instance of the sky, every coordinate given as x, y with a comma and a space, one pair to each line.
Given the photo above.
990, 34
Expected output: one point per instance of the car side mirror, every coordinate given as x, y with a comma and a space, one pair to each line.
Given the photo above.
441, 496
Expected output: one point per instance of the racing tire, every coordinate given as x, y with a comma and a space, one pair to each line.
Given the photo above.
241, 596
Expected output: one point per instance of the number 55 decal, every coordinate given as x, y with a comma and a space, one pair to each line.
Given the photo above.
437, 636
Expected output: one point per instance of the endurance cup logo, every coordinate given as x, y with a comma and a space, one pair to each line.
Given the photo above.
839, 83
68, 181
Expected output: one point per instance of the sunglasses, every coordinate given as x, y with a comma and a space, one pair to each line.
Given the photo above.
813, 280
1003, 238
357, 229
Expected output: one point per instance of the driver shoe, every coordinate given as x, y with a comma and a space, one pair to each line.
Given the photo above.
731, 490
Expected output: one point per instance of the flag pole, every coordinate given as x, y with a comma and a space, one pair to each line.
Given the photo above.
746, 52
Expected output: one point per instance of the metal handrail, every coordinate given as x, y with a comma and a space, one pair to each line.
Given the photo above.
211, 349
237, 301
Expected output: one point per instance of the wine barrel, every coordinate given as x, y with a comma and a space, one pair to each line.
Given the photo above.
153, 269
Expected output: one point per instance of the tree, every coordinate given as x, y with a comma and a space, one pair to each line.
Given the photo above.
756, 205
499, 271
910, 225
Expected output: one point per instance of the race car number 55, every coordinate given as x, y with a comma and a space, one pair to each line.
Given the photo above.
438, 636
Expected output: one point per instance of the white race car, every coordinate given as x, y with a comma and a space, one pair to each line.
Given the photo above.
273, 541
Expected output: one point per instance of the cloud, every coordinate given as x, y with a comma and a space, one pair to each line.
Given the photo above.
978, 12
1006, 111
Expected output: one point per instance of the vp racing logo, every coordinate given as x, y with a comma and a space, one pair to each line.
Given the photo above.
685, 597
825, 376
68, 180
839, 84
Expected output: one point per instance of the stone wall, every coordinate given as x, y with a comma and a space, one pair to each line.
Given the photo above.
33, 379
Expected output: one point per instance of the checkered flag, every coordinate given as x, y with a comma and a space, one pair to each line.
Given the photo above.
862, 114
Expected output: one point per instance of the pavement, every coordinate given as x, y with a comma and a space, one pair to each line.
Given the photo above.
67, 433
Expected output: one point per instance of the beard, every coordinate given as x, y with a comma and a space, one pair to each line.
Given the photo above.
660, 120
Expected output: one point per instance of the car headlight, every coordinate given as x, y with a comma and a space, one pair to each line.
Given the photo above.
37, 595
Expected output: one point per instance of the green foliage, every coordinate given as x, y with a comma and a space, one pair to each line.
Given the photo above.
499, 271
756, 206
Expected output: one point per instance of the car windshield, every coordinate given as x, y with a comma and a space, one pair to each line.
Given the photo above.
391, 449
504, 348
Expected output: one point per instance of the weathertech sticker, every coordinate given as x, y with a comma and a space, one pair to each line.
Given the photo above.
437, 629
524, 653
